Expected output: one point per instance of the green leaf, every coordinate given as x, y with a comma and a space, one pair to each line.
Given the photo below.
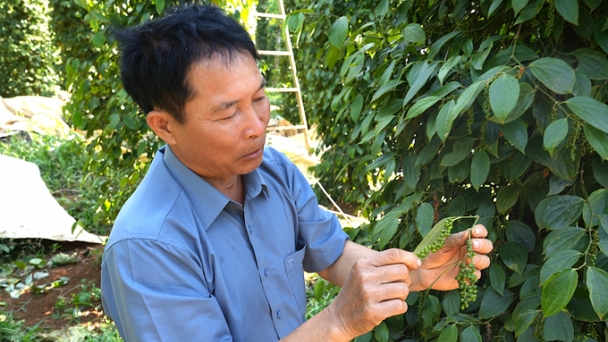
447, 66
530, 11
425, 216
554, 134
381, 332
449, 334
520, 232
516, 133
381, 8
337, 32
559, 326
386, 228
480, 167
160, 5
414, 33
593, 4
600, 171
417, 78
494, 304
561, 239
295, 21
428, 152
467, 97
555, 74
592, 63
497, 278
98, 39
471, 334
568, 9
514, 256
601, 34
518, 5
558, 211
420, 106
504, 93
411, 173
506, 197
557, 262
524, 320
460, 150
495, 4
598, 140
438, 44
445, 119
557, 291
356, 107
389, 86
590, 110
597, 283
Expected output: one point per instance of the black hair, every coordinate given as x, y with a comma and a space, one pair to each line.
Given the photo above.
157, 55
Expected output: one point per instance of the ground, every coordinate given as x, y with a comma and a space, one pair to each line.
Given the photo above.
55, 309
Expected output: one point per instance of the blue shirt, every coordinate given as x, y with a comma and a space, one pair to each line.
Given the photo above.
185, 263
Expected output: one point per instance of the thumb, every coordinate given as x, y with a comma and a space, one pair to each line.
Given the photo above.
460, 239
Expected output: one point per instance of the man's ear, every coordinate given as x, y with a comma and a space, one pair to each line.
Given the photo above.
162, 124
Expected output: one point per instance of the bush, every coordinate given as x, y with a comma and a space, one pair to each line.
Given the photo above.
495, 109
29, 60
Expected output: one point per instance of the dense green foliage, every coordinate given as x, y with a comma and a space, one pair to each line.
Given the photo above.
28, 61
121, 144
490, 108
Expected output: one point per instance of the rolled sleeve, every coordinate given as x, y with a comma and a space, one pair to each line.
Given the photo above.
158, 292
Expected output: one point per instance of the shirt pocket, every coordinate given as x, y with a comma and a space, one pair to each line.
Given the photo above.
295, 273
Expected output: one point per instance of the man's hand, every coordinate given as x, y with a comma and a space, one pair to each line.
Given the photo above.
440, 269
375, 288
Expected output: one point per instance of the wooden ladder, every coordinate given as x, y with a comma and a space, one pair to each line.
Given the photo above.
296, 89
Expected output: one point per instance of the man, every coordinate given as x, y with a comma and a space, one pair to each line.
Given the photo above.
213, 244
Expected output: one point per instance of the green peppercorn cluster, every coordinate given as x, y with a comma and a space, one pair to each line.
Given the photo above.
438, 243
466, 278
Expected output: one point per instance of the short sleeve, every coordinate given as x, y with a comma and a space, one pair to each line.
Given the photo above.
319, 229
157, 292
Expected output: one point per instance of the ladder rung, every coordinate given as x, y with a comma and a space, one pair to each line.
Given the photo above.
282, 90
269, 15
274, 53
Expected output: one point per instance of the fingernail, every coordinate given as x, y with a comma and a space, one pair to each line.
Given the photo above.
419, 262
477, 230
475, 244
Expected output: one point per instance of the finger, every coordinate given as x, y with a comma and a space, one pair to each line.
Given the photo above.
482, 246
393, 307
479, 231
396, 256
460, 239
481, 261
397, 290
395, 273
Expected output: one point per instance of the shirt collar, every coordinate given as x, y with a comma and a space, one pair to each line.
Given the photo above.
207, 201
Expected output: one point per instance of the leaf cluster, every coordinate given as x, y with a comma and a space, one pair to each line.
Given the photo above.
29, 61
488, 108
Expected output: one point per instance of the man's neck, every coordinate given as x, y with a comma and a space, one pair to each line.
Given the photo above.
234, 189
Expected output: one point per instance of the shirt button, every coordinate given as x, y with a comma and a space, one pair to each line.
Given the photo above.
279, 314
266, 272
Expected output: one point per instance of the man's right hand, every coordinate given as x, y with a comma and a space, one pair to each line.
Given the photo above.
376, 288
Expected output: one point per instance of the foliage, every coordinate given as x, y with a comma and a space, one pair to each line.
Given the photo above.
28, 60
488, 108
62, 163
120, 143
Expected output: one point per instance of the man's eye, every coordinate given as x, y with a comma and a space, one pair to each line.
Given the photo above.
260, 99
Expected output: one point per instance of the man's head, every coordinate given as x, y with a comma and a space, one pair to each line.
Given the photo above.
158, 55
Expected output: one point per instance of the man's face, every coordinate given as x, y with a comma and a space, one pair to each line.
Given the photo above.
224, 131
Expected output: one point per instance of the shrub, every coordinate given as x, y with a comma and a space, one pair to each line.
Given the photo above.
28, 60
491, 108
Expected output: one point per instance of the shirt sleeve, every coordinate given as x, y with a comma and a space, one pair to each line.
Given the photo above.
319, 229
157, 292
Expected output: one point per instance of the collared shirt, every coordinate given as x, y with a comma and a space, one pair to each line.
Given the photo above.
185, 263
